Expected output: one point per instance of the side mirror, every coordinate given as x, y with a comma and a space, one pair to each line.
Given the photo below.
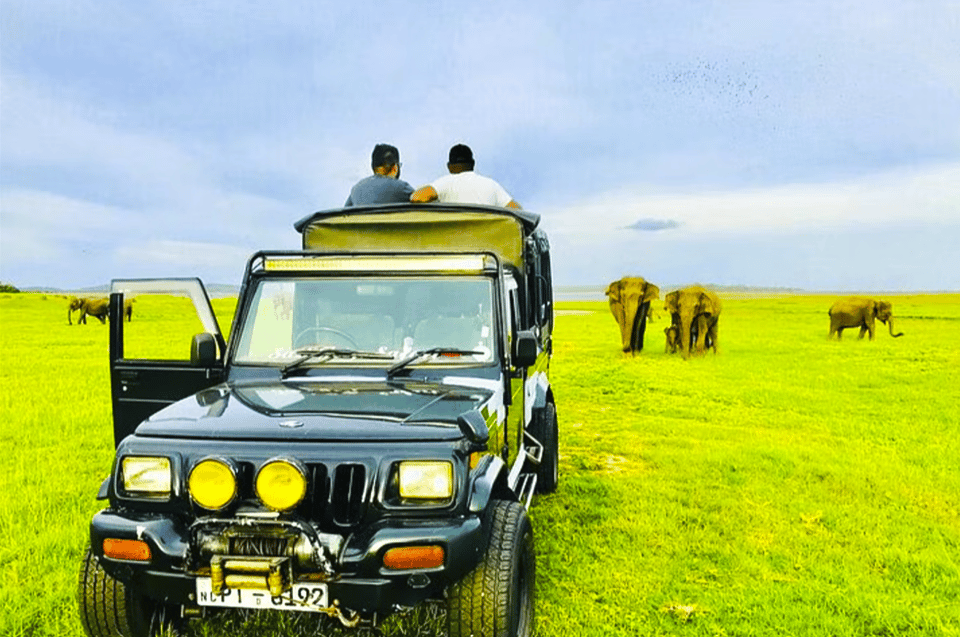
474, 427
527, 349
203, 350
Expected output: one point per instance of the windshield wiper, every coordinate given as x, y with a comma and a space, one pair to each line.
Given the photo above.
423, 353
323, 354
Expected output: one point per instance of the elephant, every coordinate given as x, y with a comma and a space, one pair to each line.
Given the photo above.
695, 313
629, 303
96, 307
860, 312
672, 333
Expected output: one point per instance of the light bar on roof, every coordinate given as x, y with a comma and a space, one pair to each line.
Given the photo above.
453, 264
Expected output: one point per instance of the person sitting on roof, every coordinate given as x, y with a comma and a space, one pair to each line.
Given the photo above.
463, 185
384, 185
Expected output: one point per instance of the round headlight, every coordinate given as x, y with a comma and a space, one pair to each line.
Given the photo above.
281, 484
212, 484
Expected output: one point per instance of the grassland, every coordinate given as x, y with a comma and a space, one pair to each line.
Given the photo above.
788, 485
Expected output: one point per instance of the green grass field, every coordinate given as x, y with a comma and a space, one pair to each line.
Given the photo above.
788, 485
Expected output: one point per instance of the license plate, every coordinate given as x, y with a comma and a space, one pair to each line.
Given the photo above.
303, 597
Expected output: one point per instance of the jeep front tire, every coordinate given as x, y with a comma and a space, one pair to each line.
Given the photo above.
109, 608
496, 599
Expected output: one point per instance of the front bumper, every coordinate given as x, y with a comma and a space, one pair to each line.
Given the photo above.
357, 580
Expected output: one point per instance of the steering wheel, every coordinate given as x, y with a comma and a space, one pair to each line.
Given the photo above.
299, 340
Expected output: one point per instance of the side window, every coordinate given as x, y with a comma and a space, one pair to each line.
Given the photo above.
159, 327
161, 317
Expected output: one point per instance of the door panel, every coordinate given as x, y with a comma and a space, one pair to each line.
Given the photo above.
150, 364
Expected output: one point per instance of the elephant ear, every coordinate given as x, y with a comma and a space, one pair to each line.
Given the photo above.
651, 292
670, 302
714, 304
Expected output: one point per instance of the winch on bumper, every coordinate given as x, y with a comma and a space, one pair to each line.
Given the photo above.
389, 564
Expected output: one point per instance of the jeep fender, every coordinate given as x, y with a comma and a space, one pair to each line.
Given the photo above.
490, 483
538, 395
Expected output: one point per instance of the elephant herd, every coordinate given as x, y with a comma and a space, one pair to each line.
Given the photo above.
96, 307
695, 312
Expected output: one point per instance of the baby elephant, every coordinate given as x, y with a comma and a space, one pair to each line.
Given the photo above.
673, 338
862, 313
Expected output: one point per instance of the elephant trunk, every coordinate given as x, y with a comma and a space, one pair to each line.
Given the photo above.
686, 323
702, 322
890, 325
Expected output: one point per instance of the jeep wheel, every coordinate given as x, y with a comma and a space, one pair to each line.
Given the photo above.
496, 598
544, 429
108, 608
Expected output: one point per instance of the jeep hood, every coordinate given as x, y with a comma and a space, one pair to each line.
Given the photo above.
319, 411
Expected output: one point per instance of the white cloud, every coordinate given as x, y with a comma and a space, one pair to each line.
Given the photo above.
930, 195
38, 226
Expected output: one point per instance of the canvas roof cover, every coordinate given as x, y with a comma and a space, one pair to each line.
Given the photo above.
405, 228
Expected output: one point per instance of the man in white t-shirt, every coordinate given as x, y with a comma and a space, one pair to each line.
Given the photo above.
463, 185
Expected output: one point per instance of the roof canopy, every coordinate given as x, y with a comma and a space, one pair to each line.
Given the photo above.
420, 228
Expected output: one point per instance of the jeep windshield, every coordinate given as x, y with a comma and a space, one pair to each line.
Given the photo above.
369, 321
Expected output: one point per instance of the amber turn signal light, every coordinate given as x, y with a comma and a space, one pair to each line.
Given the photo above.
407, 557
135, 550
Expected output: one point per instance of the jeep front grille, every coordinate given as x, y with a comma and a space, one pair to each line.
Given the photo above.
349, 482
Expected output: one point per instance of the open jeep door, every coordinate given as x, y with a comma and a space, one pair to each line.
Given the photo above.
170, 348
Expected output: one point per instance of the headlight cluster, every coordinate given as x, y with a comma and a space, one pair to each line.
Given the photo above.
280, 484
425, 479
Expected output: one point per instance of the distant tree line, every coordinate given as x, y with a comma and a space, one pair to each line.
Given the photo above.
6, 287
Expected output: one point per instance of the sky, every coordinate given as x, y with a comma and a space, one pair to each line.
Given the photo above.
810, 144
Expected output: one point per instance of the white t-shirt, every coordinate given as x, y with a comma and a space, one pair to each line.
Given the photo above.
469, 187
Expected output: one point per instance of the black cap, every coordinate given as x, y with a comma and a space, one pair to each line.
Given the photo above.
461, 154
384, 155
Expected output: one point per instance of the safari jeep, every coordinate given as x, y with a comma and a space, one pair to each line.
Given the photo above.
369, 437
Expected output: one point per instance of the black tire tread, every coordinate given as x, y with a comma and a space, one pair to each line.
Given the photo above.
107, 609
477, 604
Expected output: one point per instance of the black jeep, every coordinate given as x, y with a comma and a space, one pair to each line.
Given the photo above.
369, 438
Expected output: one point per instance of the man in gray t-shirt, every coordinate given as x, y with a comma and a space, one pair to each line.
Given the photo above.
384, 185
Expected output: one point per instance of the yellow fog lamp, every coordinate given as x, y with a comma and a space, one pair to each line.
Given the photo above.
213, 483
281, 484
426, 479
146, 475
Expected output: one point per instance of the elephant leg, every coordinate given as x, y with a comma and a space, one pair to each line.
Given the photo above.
712, 337
863, 330
639, 327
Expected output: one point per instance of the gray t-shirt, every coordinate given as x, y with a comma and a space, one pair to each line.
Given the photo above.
379, 189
